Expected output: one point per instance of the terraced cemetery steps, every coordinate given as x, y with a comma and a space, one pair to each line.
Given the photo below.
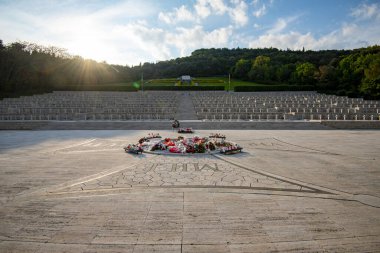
185, 110
189, 105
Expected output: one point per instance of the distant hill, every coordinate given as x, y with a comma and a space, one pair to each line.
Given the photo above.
31, 68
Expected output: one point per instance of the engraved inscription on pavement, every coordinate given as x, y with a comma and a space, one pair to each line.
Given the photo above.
274, 144
163, 171
95, 145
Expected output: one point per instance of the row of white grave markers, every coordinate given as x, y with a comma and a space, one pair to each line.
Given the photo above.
91, 106
282, 106
222, 117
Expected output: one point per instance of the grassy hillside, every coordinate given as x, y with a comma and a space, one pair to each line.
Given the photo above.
202, 81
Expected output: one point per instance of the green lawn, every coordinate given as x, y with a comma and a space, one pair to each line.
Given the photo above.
136, 85
203, 81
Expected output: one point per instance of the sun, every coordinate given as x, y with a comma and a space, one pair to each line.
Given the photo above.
88, 48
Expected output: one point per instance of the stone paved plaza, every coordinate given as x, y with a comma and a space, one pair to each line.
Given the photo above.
289, 191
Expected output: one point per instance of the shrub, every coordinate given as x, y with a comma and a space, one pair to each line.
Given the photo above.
341, 93
274, 88
95, 88
184, 87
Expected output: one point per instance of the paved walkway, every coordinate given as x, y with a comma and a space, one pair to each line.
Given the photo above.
289, 191
186, 109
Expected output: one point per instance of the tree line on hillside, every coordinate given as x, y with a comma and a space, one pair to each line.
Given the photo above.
30, 67
344, 72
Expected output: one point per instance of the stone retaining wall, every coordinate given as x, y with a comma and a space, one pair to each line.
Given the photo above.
354, 124
158, 125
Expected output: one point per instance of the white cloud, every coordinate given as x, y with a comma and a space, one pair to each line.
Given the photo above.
365, 11
218, 6
255, 2
124, 9
344, 38
261, 7
292, 40
349, 30
187, 40
160, 44
108, 34
89, 33
202, 9
167, 18
205, 8
238, 13
260, 12
281, 24
143, 39
123, 34
348, 36
218, 37
178, 15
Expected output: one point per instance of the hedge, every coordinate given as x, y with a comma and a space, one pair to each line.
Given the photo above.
96, 88
184, 87
274, 88
163, 81
195, 80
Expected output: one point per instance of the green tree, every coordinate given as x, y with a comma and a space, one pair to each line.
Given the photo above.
350, 73
306, 73
327, 74
284, 72
370, 85
260, 70
241, 68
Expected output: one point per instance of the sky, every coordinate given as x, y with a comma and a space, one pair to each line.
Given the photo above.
129, 32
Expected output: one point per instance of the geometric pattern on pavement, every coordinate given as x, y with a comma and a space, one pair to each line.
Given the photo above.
203, 172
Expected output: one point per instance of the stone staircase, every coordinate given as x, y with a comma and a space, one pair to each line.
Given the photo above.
185, 110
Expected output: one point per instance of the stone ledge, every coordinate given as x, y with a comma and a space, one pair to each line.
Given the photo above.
158, 125
352, 124
195, 124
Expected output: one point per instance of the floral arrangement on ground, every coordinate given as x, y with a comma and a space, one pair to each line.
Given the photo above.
154, 143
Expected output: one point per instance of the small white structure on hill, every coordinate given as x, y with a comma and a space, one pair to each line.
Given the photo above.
186, 79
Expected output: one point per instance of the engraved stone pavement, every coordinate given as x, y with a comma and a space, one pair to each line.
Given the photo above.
289, 191
168, 171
